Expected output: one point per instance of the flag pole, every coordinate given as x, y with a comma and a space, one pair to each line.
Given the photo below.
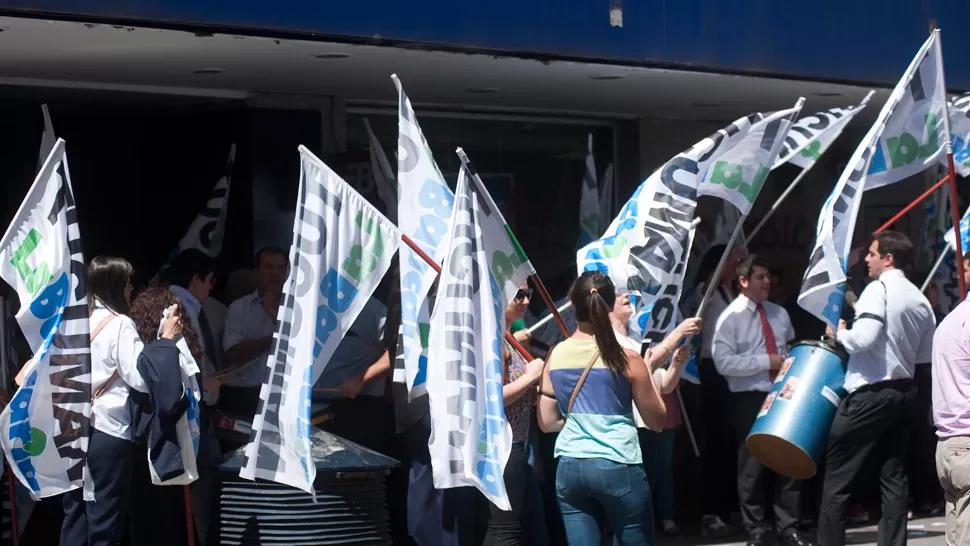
777, 204
709, 289
434, 265
550, 304
951, 172
541, 322
915, 202
936, 267
189, 525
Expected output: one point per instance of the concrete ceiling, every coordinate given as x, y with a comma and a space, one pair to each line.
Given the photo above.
59, 54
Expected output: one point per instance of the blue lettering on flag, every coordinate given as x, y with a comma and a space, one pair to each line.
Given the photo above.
489, 467
20, 429
878, 163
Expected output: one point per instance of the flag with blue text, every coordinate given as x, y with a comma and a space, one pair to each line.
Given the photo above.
646, 247
44, 429
470, 437
916, 105
959, 109
342, 247
424, 209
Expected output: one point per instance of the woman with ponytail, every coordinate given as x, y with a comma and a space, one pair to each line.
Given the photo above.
588, 390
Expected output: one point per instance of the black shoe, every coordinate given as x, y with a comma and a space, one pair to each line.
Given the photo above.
793, 539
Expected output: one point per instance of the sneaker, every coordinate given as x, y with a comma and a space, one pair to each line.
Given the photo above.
669, 528
712, 526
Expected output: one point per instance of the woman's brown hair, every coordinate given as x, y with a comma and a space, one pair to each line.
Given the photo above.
593, 296
147, 311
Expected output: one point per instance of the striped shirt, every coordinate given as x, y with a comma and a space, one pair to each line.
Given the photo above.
601, 424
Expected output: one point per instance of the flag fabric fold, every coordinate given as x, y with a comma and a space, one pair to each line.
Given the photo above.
483, 267
207, 231
424, 211
904, 140
384, 179
646, 247
811, 136
44, 429
342, 247
590, 204
959, 109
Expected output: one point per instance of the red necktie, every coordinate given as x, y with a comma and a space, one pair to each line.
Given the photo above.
770, 345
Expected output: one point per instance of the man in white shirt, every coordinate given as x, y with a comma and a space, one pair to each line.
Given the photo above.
749, 347
248, 337
892, 331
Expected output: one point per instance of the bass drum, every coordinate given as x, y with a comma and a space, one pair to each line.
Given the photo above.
792, 428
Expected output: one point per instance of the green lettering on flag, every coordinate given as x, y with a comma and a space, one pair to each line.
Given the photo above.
727, 174
905, 149
750, 191
933, 144
37, 278
614, 250
813, 150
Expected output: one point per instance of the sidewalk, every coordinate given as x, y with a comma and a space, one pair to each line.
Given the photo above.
922, 532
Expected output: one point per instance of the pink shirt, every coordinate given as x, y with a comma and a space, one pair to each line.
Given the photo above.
951, 374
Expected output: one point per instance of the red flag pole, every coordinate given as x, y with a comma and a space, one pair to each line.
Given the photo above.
955, 211
550, 304
912, 205
15, 532
434, 265
189, 525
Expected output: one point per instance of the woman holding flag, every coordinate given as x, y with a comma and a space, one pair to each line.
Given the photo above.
115, 349
588, 393
509, 528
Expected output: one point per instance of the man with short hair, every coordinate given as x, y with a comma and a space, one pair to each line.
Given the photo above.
248, 337
749, 347
892, 331
951, 415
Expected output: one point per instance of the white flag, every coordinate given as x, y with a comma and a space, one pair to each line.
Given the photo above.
606, 197
811, 136
589, 201
208, 230
646, 247
44, 429
342, 246
912, 125
947, 275
960, 129
383, 175
470, 438
424, 212
915, 97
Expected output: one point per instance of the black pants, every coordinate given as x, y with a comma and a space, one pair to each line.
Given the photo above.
720, 444
756, 483
363, 420
871, 427
513, 527
156, 516
101, 522
204, 500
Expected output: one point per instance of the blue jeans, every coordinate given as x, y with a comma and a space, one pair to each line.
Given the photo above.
591, 490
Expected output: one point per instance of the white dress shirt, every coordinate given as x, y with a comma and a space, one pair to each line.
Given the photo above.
116, 347
361, 347
893, 330
739, 343
720, 299
247, 320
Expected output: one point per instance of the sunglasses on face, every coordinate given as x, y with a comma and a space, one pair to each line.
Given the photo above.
523, 294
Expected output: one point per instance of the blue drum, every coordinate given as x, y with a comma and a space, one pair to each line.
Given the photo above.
793, 425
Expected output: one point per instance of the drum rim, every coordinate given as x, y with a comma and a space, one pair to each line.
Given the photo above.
796, 446
837, 350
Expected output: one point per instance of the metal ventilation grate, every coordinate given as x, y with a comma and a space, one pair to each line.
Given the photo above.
350, 509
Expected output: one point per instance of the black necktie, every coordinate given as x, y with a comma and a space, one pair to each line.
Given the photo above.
210, 343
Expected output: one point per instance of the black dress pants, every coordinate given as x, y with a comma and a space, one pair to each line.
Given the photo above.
102, 521
759, 487
720, 444
871, 427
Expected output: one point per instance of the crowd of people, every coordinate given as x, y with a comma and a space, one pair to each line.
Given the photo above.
594, 423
